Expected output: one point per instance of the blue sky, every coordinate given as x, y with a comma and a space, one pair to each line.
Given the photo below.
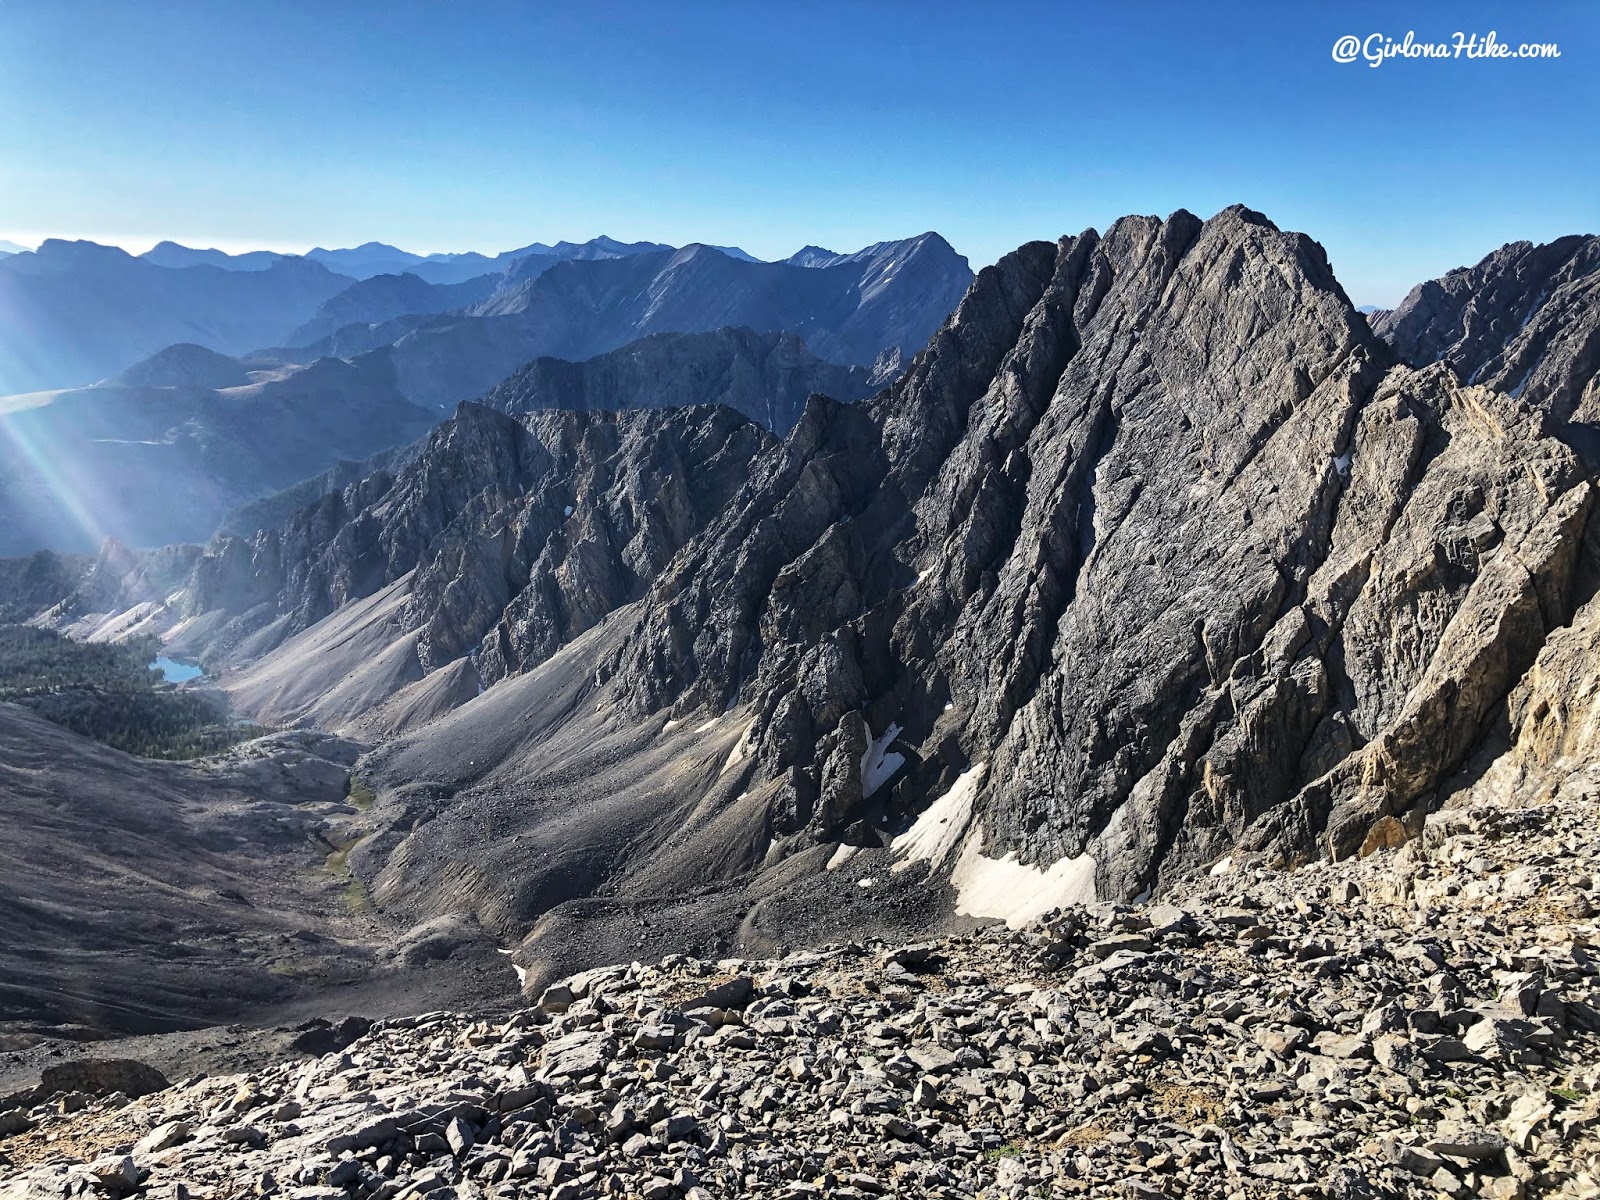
489, 125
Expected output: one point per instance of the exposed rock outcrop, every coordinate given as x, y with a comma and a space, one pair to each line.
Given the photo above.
501, 539
1148, 530
1525, 320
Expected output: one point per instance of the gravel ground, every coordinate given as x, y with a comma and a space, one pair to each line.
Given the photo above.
1422, 1022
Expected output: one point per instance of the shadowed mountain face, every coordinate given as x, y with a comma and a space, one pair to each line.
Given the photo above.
77, 312
891, 294
765, 376
385, 297
1153, 556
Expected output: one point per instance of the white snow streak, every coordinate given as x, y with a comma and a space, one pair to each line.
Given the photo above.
878, 763
942, 824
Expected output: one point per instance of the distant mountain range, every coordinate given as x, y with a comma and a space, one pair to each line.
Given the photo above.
379, 258
893, 298
80, 312
171, 254
205, 422
77, 311
160, 453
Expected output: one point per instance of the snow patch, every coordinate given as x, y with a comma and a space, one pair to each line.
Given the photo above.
741, 749
989, 887
1544, 295
841, 856
878, 763
567, 511
866, 883
672, 723
705, 726
522, 972
1013, 891
940, 827
1341, 463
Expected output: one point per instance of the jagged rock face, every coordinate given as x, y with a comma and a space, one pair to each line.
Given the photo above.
1148, 532
1525, 320
765, 376
516, 533
1152, 555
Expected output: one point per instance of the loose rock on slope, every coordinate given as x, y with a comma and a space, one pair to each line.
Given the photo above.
1418, 1023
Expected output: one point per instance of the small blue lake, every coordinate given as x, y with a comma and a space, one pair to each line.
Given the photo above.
175, 670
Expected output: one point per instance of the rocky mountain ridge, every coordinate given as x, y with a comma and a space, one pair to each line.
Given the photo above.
767, 377
1523, 321
161, 451
1131, 645
189, 443
1154, 556
847, 314
501, 537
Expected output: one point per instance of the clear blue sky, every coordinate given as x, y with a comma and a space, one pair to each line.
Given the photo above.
482, 125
